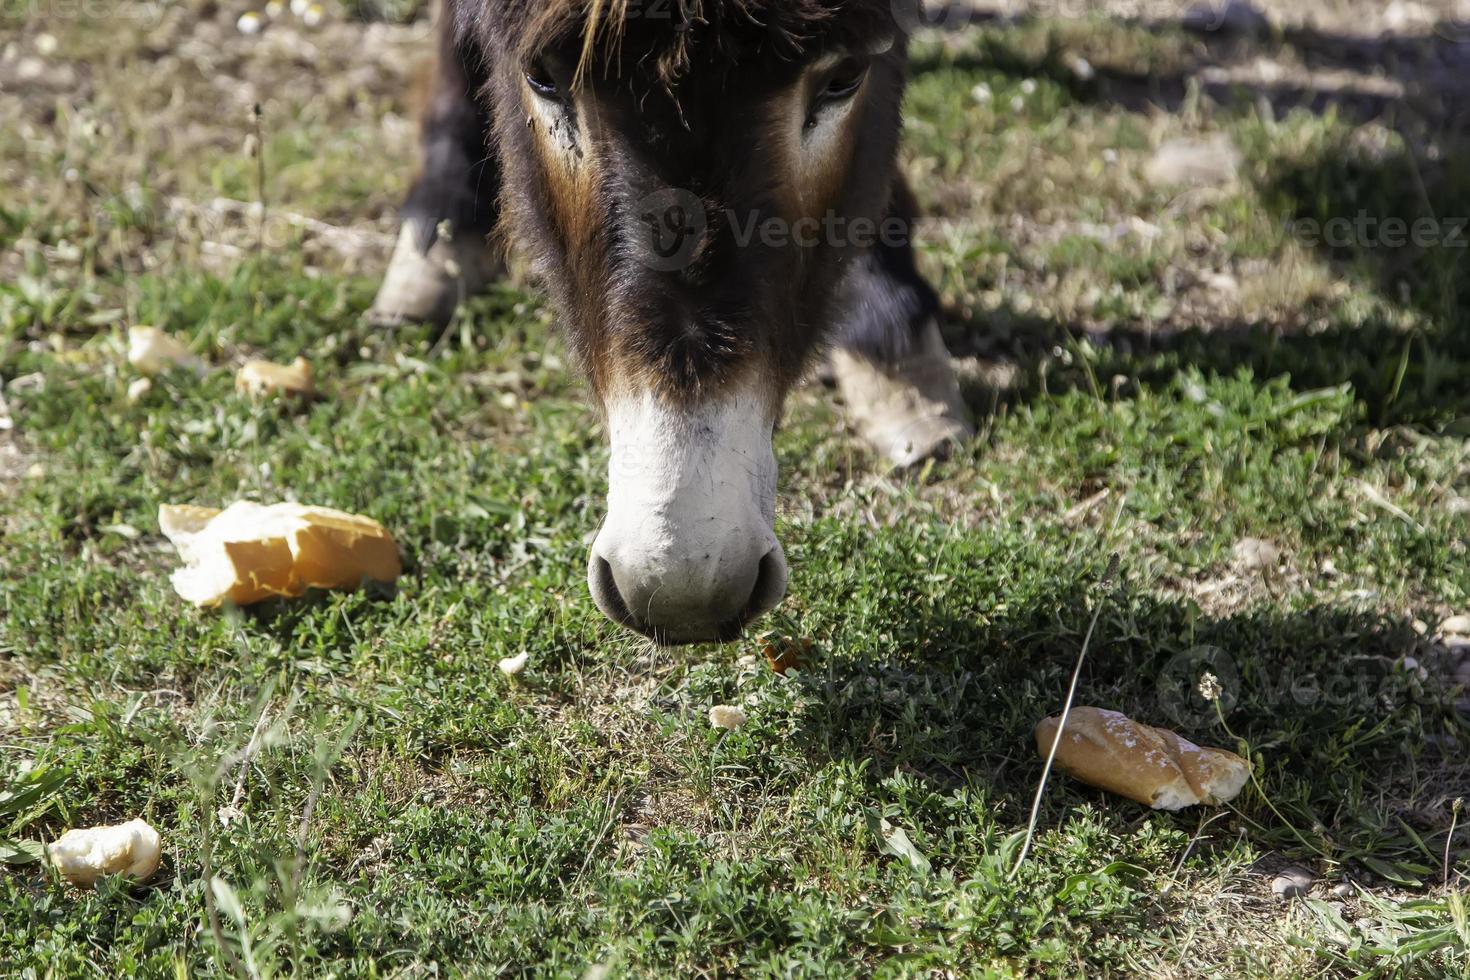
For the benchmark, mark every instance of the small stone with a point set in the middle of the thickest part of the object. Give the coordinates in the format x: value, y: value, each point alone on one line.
x: 1455, y: 626
x: 1222, y: 283
x: 1343, y: 889
x: 1256, y: 555
x: 249, y: 23
x: 726, y: 716
x: 1201, y: 163
x: 511, y: 666
x: 1291, y: 883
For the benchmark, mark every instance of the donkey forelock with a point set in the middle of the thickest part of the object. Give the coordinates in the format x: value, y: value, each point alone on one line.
x: 673, y: 34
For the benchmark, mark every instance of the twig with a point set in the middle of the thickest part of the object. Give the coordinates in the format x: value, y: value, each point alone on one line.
x: 248, y: 753
x: 1062, y: 725
x: 211, y: 911
x: 1454, y: 819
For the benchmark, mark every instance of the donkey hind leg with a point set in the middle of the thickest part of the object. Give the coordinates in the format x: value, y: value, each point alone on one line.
x: 444, y: 253
x: 889, y: 360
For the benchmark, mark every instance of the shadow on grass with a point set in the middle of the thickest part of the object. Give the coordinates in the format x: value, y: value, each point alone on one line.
x: 1395, y: 221
x: 1360, y: 759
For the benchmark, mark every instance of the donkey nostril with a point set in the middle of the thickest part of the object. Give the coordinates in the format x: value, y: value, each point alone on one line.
x: 770, y: 585
x: 605, y: 592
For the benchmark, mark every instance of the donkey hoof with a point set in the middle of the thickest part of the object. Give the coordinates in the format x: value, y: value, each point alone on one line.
x: 427, y: 287
x: 909, y: 411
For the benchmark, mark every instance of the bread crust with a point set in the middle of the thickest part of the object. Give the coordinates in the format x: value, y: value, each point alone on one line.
x: 1154, y: 766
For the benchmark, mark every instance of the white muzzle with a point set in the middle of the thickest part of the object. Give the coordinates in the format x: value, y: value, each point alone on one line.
x: 688, y: 552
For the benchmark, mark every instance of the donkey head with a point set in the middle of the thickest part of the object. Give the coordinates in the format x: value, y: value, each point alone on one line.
x: 692, y: 179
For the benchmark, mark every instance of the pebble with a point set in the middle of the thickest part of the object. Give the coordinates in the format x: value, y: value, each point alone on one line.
x: 1198, y: 162
x: 1455, y: 626
x: 1343, y: 889
x: 1291, y: 883
x: 1256, y: 554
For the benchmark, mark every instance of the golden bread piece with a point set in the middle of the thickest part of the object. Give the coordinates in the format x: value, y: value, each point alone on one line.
x: 264, y: 377
x: 1154, y: 766
x: 251, y: 552
x: 84, y: 856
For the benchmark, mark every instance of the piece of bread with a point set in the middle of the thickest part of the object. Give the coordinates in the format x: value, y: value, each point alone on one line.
x: 249, y: 552
x: 84, y: 856
x: 152, y: 351
x: 263, y: 377
x: 1154, y: 766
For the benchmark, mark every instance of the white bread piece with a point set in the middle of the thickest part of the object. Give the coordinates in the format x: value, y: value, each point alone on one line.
x: 1153, y: 766
x: 727, y: 716
x: 263, y: 377
x: 152, y: 351
x: 84, y: 856
x: 250, y: 552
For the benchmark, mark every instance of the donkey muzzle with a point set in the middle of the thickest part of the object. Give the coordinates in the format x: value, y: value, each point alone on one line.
x: 688, y: 552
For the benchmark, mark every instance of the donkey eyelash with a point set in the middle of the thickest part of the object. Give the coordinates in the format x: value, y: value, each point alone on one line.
x: 842, y: 82
x: 543, y: 85
x: 846, y: 79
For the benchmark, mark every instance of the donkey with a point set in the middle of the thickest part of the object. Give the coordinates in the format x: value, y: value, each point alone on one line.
x: 709, y: 189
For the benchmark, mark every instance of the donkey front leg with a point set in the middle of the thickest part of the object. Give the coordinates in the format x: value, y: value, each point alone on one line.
x: 444, y: 253
x: 888, y: 357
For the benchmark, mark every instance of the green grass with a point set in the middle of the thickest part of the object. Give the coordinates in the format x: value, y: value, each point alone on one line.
x: 405, y: 809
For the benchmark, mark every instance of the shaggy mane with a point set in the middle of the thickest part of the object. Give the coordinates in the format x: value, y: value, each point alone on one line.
x: 676, y: 32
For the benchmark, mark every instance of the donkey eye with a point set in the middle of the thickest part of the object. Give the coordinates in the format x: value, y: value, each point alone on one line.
x: 541, y: 82
x: 845, y: 80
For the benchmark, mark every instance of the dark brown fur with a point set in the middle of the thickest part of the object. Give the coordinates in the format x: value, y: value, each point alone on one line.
x: 682, y: 102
